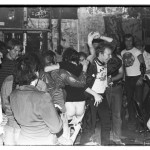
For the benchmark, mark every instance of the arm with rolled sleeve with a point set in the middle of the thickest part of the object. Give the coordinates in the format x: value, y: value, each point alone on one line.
x: 49, y: 114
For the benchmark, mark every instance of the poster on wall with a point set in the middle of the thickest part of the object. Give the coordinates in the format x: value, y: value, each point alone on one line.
x: 38, y: 17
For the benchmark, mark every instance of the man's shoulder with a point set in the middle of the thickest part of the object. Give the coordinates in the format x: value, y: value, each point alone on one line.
x: 135, y: 49
x: 123, y: 51
x: 9, y: 79
x: 95, y: 62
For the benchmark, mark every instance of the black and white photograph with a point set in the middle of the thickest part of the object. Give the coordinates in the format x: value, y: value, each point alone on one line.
x: 74, y: 75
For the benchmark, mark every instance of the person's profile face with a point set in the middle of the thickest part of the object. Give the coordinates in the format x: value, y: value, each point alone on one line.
x: 48, y: 61
x: 15, y: 52
x: 107, y: 55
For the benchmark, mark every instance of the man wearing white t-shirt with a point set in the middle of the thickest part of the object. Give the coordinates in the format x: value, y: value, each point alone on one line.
x: 133, y: 61
x: 97, y: 81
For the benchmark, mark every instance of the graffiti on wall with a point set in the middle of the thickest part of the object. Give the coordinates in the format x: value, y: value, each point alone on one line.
x: 111, y: 26
x: 69, y: 32
x: 75, y: 32
x: 88, y: 23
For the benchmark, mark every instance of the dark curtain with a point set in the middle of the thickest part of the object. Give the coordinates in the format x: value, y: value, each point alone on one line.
x: 113, y: 28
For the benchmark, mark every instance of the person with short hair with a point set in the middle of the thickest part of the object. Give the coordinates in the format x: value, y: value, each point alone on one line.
x: 114, y: 94
x: 97, y: 81
x: 134, y: 65
x: 14, y: 49
x: 11, y: 52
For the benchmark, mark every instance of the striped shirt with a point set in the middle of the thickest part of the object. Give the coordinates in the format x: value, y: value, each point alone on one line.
x: 7, y: 68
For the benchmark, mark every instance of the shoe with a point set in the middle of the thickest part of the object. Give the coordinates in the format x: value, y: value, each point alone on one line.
x: 118, y: 142
x: 123, y: 137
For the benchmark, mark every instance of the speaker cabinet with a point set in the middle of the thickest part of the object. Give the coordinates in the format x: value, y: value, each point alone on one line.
x: 11, y: 17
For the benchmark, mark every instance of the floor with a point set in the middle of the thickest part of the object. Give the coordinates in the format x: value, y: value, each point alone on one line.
x: 130, y: 137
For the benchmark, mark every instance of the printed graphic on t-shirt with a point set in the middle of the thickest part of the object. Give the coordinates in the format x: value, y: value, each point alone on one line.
x: 128, y: 59
x: 100, y: 82
x: 101, y: 74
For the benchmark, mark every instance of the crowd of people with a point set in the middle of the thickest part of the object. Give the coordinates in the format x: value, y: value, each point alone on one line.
x: 44, y: 102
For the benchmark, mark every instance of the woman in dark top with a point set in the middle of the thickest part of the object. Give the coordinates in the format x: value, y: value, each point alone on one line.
x: 75, y: 99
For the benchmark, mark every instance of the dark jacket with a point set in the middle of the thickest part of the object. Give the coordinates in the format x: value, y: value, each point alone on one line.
x: 113, y: 66
x: 74, y: 94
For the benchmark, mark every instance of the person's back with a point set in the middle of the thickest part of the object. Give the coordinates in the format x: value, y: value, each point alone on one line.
x: 29, y: 107
x: 33, y: 109
x: 55, y: 86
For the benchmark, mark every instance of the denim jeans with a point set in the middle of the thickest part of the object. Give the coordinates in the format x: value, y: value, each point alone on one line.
x: 133, y: 92
x: 103, y: 113
x: 114, y: 98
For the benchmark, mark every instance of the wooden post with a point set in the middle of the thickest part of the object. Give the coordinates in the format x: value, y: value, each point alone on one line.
x: 59, y: 27
x: 25, y: 26
x: 49, y: 33
x: 24, y: 42
x: 78, y: 37
x: 13, y: 35
x: 41, y: 42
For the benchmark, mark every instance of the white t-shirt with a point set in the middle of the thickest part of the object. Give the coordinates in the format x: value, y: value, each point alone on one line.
x: 131, y: 62
x: 100, y: 82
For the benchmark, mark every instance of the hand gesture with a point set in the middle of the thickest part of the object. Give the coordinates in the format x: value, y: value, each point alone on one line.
x: 98, y: 99
x: 85, y: 62
x: 85, y: 65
